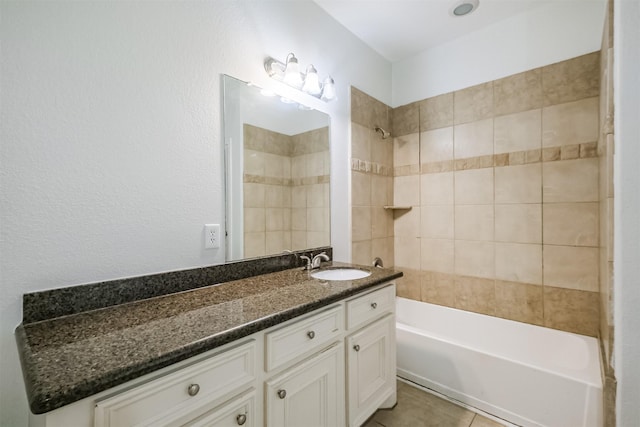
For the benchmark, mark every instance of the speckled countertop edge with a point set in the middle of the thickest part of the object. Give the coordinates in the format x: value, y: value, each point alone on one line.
x: 73, y: 357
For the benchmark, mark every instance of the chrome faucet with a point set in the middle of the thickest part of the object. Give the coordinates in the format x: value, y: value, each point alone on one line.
x: 315, y: 263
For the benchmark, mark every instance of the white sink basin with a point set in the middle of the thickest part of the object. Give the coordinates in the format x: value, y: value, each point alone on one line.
x: 340, y: 274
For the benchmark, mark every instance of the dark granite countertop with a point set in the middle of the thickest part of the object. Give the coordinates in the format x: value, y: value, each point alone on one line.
x: 68, y: 358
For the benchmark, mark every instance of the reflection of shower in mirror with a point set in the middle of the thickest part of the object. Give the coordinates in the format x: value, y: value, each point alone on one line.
x: 382, y: 132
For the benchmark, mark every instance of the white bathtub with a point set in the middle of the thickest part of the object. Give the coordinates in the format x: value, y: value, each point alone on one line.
x: 525, y: 374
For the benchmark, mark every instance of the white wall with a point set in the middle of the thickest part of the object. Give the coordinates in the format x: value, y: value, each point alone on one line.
x: 542, y: 36
x: 626, y: 292
x: 111, y: 136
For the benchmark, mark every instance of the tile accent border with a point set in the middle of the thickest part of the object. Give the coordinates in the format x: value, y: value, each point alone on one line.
x: 270, y: 180
x: 544, y: 155
x: 372, y: 168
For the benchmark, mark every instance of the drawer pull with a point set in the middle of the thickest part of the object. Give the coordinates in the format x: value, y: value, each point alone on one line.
x: 374, y: 305
x: 356, y: 347
x: 282, y: 394
x: 311, y: 335
x: 193, y: 389
x: 241, y: 419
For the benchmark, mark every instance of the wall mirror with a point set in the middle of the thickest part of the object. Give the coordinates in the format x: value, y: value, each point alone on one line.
x: 277, y: 173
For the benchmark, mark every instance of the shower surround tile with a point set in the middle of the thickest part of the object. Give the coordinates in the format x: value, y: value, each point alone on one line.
x: 436, y: 112
x: 519, y: 92
x: 408, y: 286
x: 407, y: 222
x: 518, y: 184
x: 474, y: 103
x: 406, y: 119
x: 571, y: 267
x: 438, y: 288
x: 570, y: 181
x: 474, y: 222
x: 436, y: 189
x: 521, y: 302
x: 518, y: 132
x: 573, y: 224
x: 518, y: 223
x: 571, y: 310
x: 519, y: 262
x: 361, y: 189
x: 406, y: 150
x: 474, y: 187
x: 474, y: 258
x: 437, y: 255
x: 436, y: 145
x: 437, y: 222
x: 511, y: 168
x: 475, y: 294
x: 573, y: 79
x: 360, y: 141
x: 571, y: 123
x: 368, y: 111
x: 474, y: 139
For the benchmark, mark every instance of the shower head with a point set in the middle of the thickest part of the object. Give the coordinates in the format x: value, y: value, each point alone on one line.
x: 382, y: 132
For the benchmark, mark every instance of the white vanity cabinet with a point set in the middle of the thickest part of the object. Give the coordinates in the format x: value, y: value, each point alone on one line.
x: 371, y: 354
x: 329, y: 368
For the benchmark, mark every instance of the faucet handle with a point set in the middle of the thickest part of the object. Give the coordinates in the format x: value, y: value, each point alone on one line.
x: 307, y: 260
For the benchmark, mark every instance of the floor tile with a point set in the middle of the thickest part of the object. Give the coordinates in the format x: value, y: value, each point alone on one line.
x: 480, y: 421
x: 418, y: 408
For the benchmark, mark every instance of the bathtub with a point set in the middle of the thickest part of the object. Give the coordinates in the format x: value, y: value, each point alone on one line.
x: 527, y: 375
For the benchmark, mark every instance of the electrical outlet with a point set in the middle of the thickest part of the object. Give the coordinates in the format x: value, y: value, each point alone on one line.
x: 211, y: 236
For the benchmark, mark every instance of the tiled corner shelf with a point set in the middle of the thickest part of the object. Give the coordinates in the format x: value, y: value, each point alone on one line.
x: 398, y: 208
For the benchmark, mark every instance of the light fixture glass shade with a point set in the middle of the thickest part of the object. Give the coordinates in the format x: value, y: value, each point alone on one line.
x: 312, y: 82
x: 292, y: 75
x: 328, y: 90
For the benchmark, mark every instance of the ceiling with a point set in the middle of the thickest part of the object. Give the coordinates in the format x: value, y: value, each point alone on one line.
x: 398, y: 29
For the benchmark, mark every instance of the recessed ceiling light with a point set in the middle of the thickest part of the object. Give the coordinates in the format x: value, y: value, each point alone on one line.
x: 464, y: 7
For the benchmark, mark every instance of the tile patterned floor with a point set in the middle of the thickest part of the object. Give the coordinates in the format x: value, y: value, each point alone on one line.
x: 417, y: 408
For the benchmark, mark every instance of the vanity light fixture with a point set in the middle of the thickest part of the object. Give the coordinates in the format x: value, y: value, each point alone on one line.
x: 309, y: 82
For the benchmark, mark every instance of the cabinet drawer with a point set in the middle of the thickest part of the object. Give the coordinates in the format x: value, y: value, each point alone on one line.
x: 369, y: 306
x: 302, y: 337
x: 161, y: 401
x: 241, y: 411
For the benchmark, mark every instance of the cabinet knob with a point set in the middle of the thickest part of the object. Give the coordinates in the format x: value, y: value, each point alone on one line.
x: 356, y: 347
x: 241, y: 419
x: 282, y: 394
x: 193, y: 389
x: 311, y: 335
x: 374, y: 305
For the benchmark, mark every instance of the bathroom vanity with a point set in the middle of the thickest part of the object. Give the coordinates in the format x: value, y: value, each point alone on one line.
x: 275, y: 349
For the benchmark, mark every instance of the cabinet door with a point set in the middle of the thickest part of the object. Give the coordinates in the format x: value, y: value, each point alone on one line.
x: 310, y: 394
x: 371, y: 368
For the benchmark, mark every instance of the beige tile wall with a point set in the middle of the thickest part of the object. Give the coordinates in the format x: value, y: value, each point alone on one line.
x: 372, y: 179
x: 604, y: 210
x: 286, y: 191
x: 503, y: 181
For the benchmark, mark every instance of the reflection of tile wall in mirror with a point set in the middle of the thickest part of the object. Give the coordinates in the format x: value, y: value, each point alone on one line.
x: 294, y: 200
x: 277, y: 173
